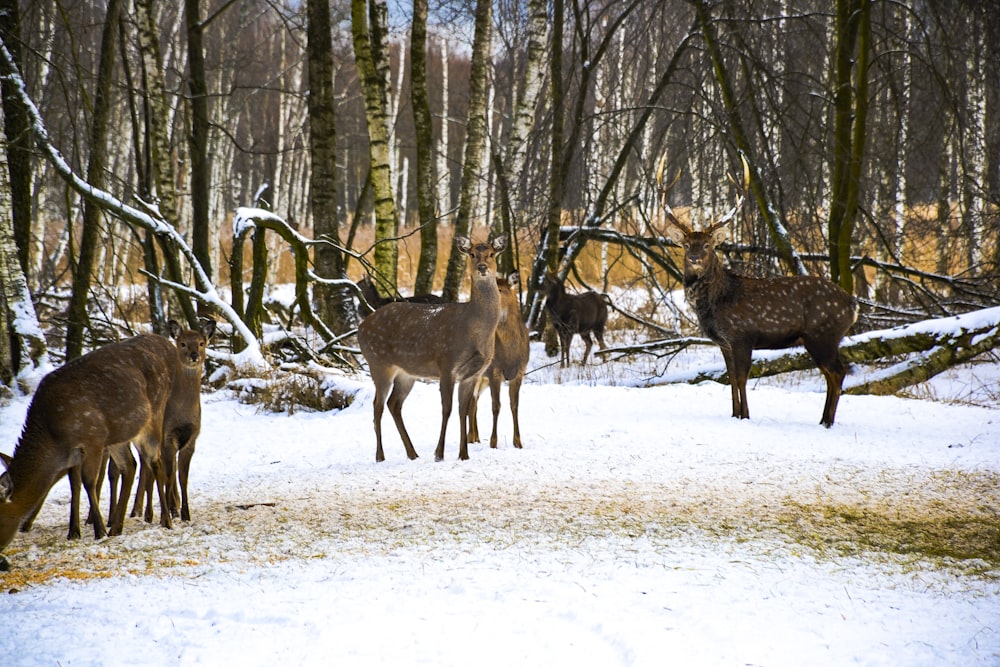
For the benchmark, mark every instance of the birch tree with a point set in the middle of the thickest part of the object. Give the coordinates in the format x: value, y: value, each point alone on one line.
x: 334, y: 303
x: 77, y: 318
x: 162, y: 160
x: 423, y: 125
x: 850, y: 95
x: 24, y: 356
x: 475, y: 143
x: 370, y: 28
x: 19, y: 146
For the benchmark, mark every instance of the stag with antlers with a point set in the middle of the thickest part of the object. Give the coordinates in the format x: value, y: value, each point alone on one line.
x: 741, y: 314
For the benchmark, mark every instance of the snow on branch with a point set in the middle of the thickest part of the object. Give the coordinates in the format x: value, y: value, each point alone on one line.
x: 149, y: 219
x: 937, y: 344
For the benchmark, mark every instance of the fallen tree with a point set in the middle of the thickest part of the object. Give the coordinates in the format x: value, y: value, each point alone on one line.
x: 927, y: 348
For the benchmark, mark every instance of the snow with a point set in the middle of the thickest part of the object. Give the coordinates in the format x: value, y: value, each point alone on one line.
x: 638, y: 526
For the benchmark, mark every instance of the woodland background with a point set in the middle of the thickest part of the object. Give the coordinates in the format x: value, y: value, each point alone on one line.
x: 362, y: 135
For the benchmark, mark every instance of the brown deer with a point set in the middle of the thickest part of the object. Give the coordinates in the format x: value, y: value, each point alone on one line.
x: 450, y: 342
x: 367, y: 287
x: 510, y: 360
x: 582, y: 314
x: 181, y: 425
x: 741, y: 314
x: 111, y: 395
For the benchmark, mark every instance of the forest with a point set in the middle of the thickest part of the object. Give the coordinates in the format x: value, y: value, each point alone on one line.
x: 146, y: 142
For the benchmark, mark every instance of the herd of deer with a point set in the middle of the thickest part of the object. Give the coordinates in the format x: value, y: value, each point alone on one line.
x: 146, y: 390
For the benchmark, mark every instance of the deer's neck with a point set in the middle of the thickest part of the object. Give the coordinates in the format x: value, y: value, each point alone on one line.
x: 706, y: 290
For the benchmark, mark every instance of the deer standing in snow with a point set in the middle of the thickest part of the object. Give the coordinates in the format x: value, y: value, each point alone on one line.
x: 91, y: 405
x: 510, y: 359
x: 450, y: 342
x: 742, y: 314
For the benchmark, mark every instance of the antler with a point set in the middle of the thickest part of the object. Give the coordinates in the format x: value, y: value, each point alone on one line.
x: 731, y: 213
x: 663, y: 195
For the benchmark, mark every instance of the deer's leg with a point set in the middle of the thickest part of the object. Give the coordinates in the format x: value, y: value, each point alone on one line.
x: 168, y: 462
x: 114, y: 477
x: 74, y: 506
x: 832, y: 367
x: 589, y: 343
x: 383, y: 382
x: 474, y: 411
x: 89, y: 471
x: 124, y: 462
x: 183, y: 470
x: 466, y: 396
x: 140, y: 490
x: 514, y: 389
x: 160, y: 476
x: 565, y: 339
x: 495, y: 381
x: 738, y: 367
x: 447, y: 386
x: 400, y: 390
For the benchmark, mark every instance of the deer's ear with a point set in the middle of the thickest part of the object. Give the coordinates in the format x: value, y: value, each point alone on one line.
x: 173, y: 328
x: 463, y: 242
x: 5, y: 459
x: 6, y: 487
x: 499, y: 243
x: 675, y: 234
x: 514, y: 279
x: 719, y: 235
x: 208, y: 329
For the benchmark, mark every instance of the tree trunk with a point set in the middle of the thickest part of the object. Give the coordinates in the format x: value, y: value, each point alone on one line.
x: 765, y: 206
x: 23, y: 352
x: 371, y: 55
x: 935, y: 346
x: 19, y: 144
x: 514, y: 200
x: 162, y: 159
x: 850, y: 115
x: 77, y: 317
x: 334, y: 305
x: 475, y: 143
x: 201, y: 168
x: 426, y: 200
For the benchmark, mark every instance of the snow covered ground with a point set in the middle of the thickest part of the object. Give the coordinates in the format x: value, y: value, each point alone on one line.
x: 638, y: 526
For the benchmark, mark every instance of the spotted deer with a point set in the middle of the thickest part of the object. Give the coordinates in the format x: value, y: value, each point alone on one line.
x: 741, y: 314
x: 510, y: 359
x: 91, y: 406
x: 451, y: 342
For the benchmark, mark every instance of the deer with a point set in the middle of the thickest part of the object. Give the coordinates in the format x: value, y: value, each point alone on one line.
x: 450, y: 342
x: 741, y: 314
x: 367, y: 288
x: 181, y: 426
x: 510, y: 359
x: 571, y: 314
x: 112, y: 395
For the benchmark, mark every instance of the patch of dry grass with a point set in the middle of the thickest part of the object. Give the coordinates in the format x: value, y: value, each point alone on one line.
x: 947, y: 519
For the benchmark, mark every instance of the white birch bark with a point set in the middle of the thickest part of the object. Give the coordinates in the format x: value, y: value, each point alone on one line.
x: 20, y: 314
x: 443, y: 166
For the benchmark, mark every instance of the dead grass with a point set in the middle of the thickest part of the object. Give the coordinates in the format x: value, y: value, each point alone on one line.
x: 942, y: 520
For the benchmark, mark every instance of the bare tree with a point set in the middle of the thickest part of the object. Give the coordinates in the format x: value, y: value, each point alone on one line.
x: 77, y: 318
x: 423, y: 126
x: 369, y: 23
x: 475, y: 143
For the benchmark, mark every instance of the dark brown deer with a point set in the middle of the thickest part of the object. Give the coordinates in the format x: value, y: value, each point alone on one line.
x: 582, y: 314
x: 181, y: 425
x: 376, y: 300
x: 112, y: 395
x: 510, y: 359
x: 742, y: 314
x: 450, y: 342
